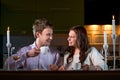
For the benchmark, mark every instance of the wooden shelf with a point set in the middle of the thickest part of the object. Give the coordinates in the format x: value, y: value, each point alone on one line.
x: 111, y: 58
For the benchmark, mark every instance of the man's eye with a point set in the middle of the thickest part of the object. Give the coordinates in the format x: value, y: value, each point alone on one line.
x: 49, y: 34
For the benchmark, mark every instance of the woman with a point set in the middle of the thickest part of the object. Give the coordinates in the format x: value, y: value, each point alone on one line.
x: 79, y: 51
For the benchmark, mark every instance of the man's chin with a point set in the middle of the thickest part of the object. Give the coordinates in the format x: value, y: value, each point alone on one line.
x: 48, y: 44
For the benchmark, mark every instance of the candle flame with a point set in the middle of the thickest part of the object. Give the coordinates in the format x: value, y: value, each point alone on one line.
x: 8, y: 29
x: 113, y: 17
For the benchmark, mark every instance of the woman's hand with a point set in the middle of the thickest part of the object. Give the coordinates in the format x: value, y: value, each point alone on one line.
x: 91, y: 67
x: 54, y: 67
x: 62, y: 68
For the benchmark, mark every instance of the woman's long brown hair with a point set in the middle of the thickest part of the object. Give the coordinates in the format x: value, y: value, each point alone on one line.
x: 82, y: 43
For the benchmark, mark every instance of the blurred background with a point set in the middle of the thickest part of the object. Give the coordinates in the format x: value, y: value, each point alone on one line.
x: 94, y: 15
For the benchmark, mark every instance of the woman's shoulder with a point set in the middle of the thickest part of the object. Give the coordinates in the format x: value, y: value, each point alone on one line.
x: 92, y: 50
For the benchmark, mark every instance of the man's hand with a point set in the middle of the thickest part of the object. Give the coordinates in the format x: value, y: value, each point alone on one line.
x: 33, y: 52
x: 53, y: 67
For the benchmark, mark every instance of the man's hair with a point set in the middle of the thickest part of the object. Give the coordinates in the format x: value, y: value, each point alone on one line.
x: 40, y: 24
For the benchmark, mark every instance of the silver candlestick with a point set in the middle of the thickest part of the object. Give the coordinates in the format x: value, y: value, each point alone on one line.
x: 114, y: 56
x: 11, y: 51
x: 105, y: 47
x: 8, y: 45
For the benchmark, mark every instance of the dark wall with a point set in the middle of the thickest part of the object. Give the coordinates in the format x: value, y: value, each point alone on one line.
x: 101, y: 11
x: 1, y: 51
x: 20, y: 14
x: 17, y: 42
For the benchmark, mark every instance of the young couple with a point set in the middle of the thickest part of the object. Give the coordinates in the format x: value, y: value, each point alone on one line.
x: 40, y: 56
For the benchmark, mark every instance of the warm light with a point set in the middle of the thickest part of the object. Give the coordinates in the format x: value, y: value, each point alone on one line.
x: 118, y: 30
x: 113, y: 17
x: 107, y: 27
x: 94, y: 27
x: 8, y: 29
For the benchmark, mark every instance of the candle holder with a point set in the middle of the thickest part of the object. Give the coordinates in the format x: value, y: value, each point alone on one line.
x: 11, y: 51
x: 8, y: 45
x: 114, y: 56
x: 105, y: 47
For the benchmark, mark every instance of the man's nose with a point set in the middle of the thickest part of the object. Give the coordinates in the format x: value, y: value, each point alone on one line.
x: 51, y: 37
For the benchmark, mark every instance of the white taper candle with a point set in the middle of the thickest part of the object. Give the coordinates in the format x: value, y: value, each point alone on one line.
x: 8, y: 35
x: 113, y: 25
x: 105, y: 37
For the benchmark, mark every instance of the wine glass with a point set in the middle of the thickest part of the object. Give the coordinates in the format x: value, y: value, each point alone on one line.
x: 78, y: 66
x: 16, y: 57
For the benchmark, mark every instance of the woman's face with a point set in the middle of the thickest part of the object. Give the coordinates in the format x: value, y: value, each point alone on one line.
x: 72, y: 38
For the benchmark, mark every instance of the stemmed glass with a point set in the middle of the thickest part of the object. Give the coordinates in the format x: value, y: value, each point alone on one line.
x: 16, y: 57
x: 78, y: 66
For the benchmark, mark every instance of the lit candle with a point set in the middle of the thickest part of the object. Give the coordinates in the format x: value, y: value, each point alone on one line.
x: 113, y: 25
x: 105, y: 37
x: 8, y: 35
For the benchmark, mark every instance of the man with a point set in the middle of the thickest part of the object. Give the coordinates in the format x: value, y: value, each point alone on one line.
x: 37, y: 55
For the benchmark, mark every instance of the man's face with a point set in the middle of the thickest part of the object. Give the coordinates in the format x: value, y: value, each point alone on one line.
x: 72, y: 38
x: 46, y: 36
